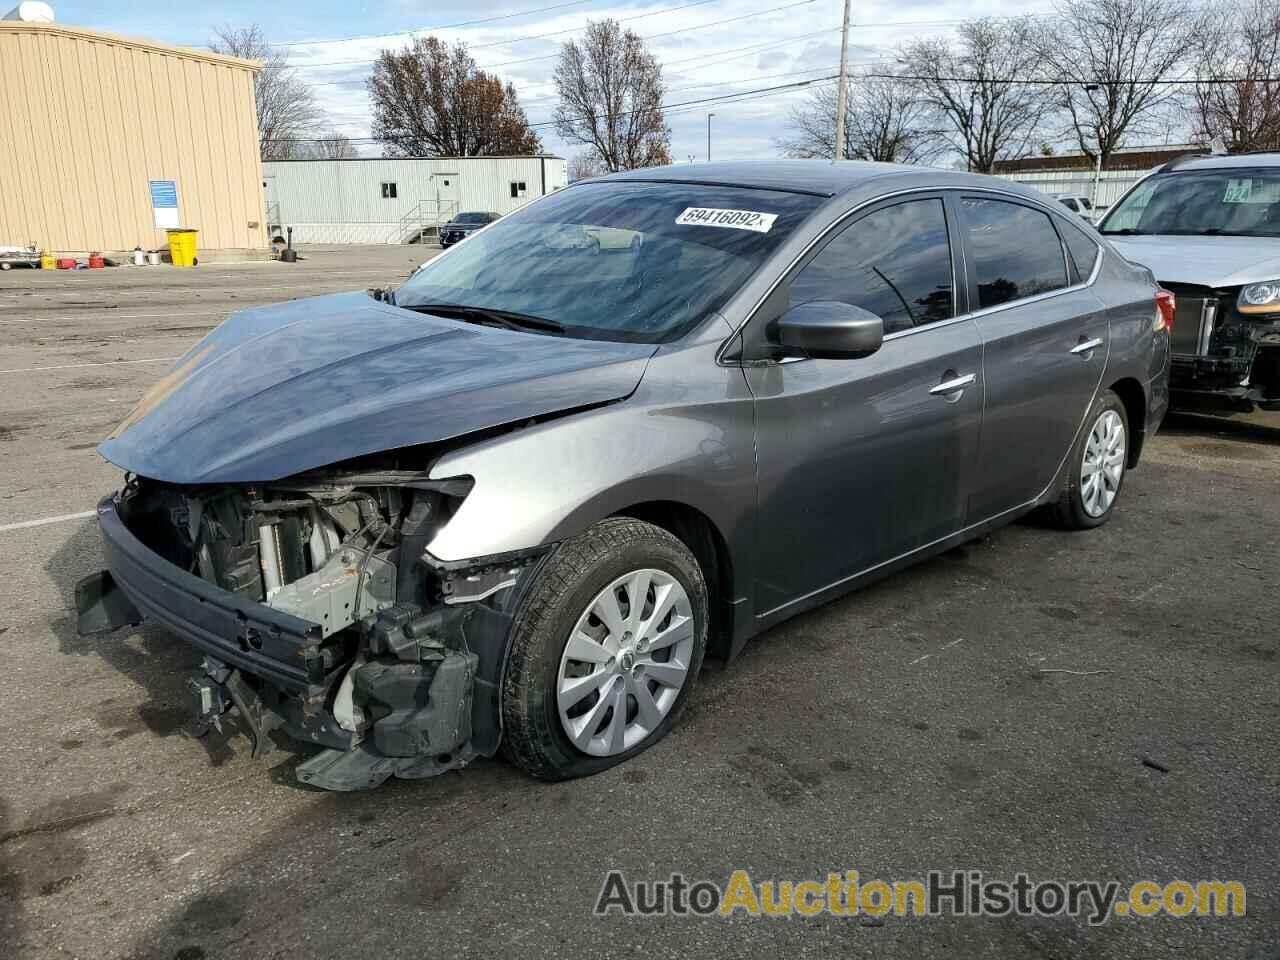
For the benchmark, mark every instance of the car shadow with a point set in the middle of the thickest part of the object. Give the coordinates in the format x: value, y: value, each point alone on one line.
x: 156, y: 662
x: 10, y: 891
x: 1259, y: 427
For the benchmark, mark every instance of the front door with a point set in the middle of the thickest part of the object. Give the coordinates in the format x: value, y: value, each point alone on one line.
x: 272, y: 220
x: 444, y: 194
x: 862, y: 461
x: 1045, y: 339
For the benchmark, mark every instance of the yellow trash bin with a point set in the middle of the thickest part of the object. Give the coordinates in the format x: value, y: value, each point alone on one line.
x: 182, y: 247
x: 48, y: 261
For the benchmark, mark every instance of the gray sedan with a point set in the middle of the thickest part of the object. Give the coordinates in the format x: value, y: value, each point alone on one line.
x: 518, y: 501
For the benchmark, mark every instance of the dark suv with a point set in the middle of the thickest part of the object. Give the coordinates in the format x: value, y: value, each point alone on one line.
x: 463, y: 225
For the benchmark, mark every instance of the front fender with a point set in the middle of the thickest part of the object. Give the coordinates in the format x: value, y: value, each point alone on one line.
x: 686, y: 435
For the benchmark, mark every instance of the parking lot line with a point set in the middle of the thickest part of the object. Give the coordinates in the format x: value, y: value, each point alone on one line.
x: 96, y: 363
x: 24, y: 524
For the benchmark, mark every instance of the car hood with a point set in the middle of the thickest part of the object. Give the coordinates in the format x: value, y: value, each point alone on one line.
x: 464, y: 226
x: 277, y: 390
x: 1205, y: 261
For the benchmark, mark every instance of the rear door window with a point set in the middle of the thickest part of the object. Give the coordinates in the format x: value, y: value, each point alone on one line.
x: 1014, y: 249
x: 895, y: 262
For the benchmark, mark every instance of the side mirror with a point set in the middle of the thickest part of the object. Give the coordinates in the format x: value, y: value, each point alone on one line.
x: 830, y: 330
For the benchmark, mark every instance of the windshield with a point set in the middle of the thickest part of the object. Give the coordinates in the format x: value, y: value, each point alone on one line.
x: 471, y: 218
x: 1204, y: 202
x: 642, y: 262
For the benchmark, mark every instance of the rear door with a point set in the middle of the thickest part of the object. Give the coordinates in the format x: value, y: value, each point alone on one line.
x: 1045, y: 338
x: 861, y: 461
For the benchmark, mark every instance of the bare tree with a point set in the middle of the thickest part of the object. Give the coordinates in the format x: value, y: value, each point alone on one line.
x: 611, y: 89
x: 287, y: 110
x: 977, y: 85
x: 331, y: 145
x: 1108, y: 60
x: 584, y: 166
x: 1240, y: 43
x: 430, y: 99
x: 885, y: 120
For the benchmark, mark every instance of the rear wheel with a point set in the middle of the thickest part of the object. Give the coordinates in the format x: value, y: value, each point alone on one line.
x: 1097, y: 467
x: 605, y: 651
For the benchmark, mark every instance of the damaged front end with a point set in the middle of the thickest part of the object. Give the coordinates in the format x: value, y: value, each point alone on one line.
x: 320, y: 613
x: 1224, y: 359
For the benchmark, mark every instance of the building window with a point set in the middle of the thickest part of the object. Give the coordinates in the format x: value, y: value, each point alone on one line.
x: 517, y: 189
x: 388, y: 191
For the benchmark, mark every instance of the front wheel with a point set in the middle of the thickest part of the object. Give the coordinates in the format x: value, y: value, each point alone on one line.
x: 605, y: 651
x: 1097, y: 466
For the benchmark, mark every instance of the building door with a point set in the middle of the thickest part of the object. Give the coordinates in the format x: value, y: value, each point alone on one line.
x: 444, y: 194
x: 273, y: 206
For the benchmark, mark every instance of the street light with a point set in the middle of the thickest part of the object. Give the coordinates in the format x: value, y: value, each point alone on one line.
x: 709, y: 116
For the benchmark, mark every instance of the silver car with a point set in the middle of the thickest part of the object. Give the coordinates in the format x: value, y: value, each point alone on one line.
x: 1209, y: 229
x: 519, y: 500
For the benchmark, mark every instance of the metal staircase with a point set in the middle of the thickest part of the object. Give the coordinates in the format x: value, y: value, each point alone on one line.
x: 423, y: 222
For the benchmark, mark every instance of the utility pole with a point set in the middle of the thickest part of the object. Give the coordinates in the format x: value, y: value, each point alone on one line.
x: 709, y: 116
x: 842, y: 96
x: 1097, y: 170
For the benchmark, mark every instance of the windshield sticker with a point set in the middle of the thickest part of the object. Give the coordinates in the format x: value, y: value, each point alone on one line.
x: 731, y: 219
x: 1238, y: 191
x: 1252, y: 190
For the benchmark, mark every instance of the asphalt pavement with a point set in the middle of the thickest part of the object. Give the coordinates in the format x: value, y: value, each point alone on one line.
x: 1072, y: 706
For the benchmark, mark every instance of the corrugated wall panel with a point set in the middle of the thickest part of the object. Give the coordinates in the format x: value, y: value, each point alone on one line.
x: 87, y: 120
x: 340, y: 201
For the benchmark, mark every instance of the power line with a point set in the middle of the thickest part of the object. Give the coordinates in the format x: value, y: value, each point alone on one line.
x: 778, y: 88
x: 1051, y: 82
x: 759, y: 93
x: 703, y: 86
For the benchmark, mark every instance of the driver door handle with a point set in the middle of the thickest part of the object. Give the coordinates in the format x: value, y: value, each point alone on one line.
x: 953, y: 385
x: 1086, y: 346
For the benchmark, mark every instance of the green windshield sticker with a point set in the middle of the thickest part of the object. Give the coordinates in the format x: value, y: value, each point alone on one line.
x: 1238, y: 191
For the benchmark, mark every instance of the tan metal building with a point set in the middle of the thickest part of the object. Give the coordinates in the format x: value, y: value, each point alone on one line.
x: 105, y: 141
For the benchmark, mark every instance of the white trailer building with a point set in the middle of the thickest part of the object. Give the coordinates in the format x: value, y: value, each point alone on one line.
x: 397, y: 201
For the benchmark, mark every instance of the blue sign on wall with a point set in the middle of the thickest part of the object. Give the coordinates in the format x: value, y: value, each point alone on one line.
x: 164, y: 202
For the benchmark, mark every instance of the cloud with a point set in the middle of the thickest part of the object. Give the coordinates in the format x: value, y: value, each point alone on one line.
x: 701, y: 58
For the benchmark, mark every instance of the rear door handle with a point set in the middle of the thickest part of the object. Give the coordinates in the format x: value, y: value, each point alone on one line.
x: 1086, y: 346
x: 954, y: 385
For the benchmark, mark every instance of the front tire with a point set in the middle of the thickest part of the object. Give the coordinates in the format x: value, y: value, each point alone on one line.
x: 1097, y: 466
x: 605, y: 650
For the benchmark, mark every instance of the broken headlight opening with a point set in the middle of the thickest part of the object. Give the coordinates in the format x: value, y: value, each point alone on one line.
x: 320, y: 613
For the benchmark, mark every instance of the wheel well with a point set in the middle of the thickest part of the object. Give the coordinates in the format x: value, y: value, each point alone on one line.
x: 695, y: 529
x: 1134, y: 399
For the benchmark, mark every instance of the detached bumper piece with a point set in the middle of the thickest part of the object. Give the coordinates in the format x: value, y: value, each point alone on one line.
x: 401, y: 706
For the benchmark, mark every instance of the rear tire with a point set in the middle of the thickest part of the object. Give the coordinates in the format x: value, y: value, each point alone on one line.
x: 560, y: 606
x: 1096, y: 468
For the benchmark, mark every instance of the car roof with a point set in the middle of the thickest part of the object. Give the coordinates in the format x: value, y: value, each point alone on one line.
x: 819, y: 178
x: 1222, y: 162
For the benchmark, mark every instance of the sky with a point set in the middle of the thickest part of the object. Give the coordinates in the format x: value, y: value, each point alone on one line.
x: 765, y: 43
